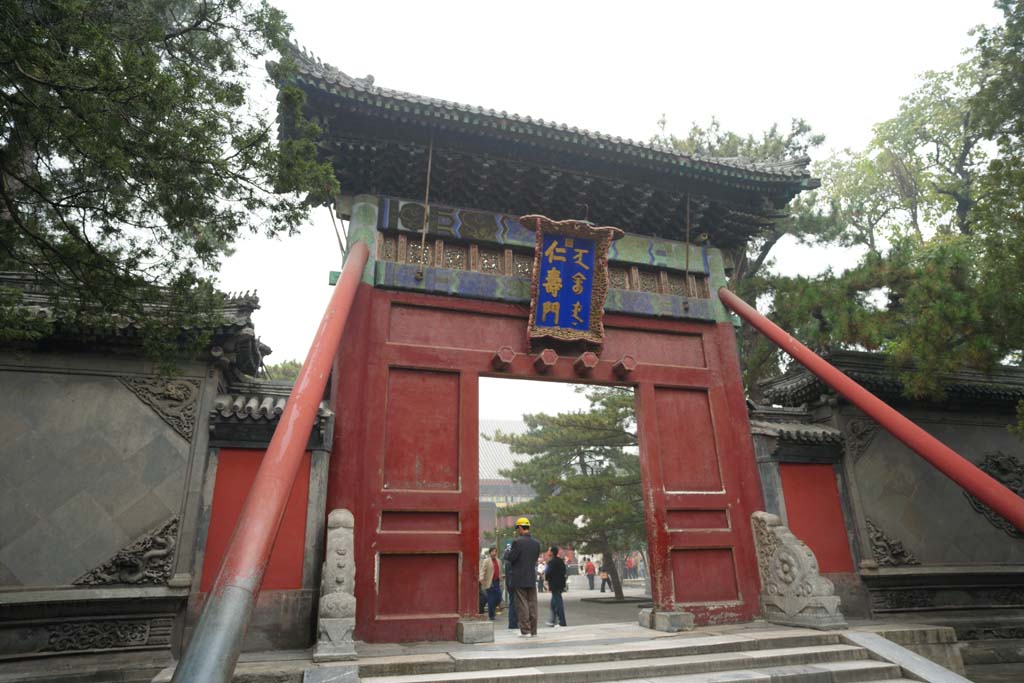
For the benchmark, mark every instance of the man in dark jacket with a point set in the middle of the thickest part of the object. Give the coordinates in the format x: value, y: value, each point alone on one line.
x: 556, y: 575
x: 522, y: 577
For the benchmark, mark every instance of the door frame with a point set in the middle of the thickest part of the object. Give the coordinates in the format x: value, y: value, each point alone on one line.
x: 403, y: 331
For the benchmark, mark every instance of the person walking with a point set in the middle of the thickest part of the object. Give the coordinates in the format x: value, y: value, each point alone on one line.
x: 490, y: 580
x: 590, y: 570
x: 556, y: 574
x: 605, y: 579
x: 522, y: 577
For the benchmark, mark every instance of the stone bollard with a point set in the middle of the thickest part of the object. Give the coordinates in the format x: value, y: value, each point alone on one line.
x: 337, y: 615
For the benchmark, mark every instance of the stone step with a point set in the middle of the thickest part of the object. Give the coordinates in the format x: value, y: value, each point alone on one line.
x: 538, y: 652
x: 857, y: 671
x: 571, y: 671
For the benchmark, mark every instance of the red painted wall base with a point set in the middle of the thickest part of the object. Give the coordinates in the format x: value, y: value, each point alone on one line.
x: 236, y: 470
x: 815, y: 515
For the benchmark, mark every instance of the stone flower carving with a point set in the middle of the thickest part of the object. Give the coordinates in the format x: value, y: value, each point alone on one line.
x: 793, y: 591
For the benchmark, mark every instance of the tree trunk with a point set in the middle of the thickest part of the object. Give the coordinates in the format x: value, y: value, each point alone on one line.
x: 647, y: 571
x: 608, y: 562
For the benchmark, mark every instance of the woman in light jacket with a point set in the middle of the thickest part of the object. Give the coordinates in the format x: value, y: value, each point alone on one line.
x: 490, y: 580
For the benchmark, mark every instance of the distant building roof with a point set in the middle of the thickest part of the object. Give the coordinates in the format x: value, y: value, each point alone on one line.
x: 495, y: 456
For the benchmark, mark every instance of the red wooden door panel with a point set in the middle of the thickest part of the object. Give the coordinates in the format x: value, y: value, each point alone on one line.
x: 700, y: 488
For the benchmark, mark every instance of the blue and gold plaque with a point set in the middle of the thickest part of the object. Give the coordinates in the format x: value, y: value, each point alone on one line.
x: 570, y: 279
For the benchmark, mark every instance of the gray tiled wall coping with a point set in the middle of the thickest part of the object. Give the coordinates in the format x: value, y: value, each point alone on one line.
x: 27, y: 597
x: 943, y: 570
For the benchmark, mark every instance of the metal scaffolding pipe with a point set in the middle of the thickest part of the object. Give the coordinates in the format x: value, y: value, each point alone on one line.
x: 217, y: 640
x: 965, y: 473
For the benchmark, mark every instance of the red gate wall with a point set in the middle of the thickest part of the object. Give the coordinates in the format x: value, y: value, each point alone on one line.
x: 814, y: 513
x: 405, y: 456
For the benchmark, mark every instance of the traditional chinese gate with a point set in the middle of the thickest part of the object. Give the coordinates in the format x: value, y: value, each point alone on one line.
x: 405, y: 452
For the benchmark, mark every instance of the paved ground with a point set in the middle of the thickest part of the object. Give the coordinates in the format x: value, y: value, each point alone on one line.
x: 583, y: 607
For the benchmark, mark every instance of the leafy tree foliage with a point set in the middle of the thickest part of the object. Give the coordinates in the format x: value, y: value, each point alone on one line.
x: 936, y: 203
x: 285, y: 371
x: 586, y: 474
x: 131, y: 157
x: 935, y: 207
x: 752, y: 263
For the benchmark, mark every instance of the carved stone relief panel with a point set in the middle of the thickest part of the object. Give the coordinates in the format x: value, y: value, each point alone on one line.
x: 149, y: 560
x: 898, y: 600
x: 88, y: 469
x: 859, y: 435
x: 174, y: 400
x: 888, y: 551
x: 1009, y: 471
x: 86, y: 635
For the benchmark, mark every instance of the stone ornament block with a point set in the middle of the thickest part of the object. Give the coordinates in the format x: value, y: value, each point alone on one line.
x: 336, y: 619
x: 475, y: 631
x: 337, y: 673
x: 334, y: 640
x: 793, y: 591
x: 672, y: 622
x: 666, y: 622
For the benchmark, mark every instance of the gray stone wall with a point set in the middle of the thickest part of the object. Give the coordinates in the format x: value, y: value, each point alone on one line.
x: 909, y: 502
x: 92, y: 463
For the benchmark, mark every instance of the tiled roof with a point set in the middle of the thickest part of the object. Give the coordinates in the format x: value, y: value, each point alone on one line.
x: 334, y: 81
x: 236, y: 311
x: 257, y: 401
x: 797, y: 386
x: 792, y: 425
x: 495, y: 456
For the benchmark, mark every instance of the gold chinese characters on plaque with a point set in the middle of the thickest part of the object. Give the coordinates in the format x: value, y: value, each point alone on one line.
x: 570, y: 279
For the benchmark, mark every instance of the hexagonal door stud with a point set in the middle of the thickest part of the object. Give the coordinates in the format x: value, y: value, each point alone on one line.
x: 545, y: 360
x: 624, y: 366
x: 586, y: 362
x: 503, y: 358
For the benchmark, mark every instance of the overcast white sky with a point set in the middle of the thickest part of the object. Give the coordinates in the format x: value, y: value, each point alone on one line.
x: 616, y: 68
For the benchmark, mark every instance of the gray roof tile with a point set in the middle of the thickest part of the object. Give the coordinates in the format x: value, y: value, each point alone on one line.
x: 496, y: 456
x: 331, y: 79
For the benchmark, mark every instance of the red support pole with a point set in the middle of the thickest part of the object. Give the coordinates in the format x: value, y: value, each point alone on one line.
x: 942, y: 457
x: 217, y: 641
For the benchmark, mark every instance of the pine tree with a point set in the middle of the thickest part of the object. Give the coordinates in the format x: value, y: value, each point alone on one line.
x: 585, y: 471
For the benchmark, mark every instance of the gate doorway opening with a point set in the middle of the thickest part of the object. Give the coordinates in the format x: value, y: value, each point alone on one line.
x: 566, y: 456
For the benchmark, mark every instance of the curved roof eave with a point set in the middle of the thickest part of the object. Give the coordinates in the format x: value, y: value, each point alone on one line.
x: 790, y: 175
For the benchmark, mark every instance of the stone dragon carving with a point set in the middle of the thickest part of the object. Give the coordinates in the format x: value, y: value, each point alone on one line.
x: 176, y: 401
x: 888, y: 551
x: 1009, y: 471
x: 148, y: 560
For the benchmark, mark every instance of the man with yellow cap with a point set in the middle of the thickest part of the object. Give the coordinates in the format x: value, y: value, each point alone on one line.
x: 522, y: 577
